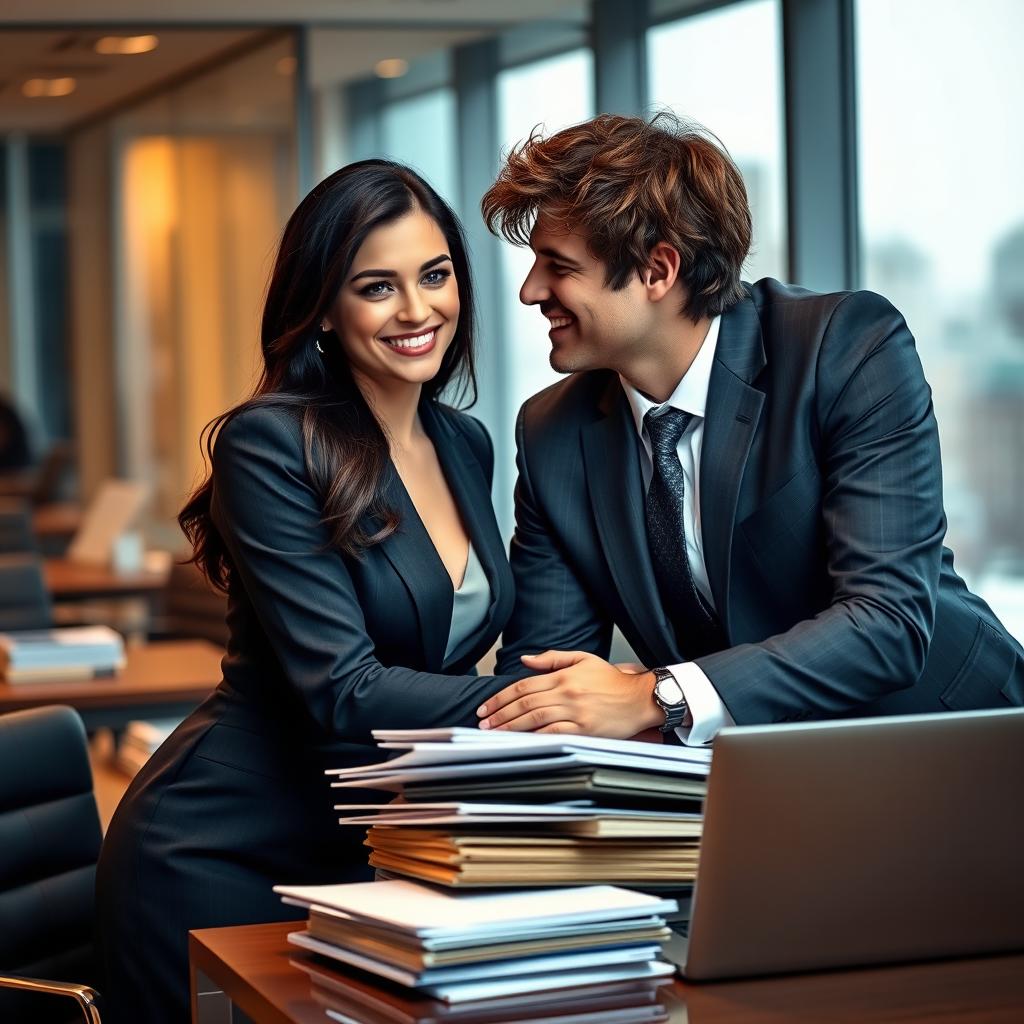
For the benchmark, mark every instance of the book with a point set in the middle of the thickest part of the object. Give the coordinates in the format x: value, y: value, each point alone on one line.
x: 58, y: 674
x: 583, y: 818
x: 463, y: 947
x: 501, y: 978
x: 518, y: 873
x: 523, y: 753
x: 396, y: 949
x: 599, y: 784
x: 141, y: 740
x: 430, y: 912
x: 348, y: 996
x: 72, y: 653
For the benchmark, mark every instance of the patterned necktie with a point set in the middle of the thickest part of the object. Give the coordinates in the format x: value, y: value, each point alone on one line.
x: 697, y: 628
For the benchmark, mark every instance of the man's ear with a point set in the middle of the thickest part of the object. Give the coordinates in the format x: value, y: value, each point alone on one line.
x: 662, y: 271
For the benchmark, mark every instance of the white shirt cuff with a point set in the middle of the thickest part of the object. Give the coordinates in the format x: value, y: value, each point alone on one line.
x: 707, y: 714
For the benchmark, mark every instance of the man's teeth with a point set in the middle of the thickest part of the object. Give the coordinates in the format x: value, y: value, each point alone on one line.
x: 560, y: 321
x: 417, y: 342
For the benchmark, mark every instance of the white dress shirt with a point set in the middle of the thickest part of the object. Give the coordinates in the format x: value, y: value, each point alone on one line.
x: 707, y: 713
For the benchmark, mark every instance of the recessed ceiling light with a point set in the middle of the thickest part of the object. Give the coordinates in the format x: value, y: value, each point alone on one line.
x: 36, y: 88
x: 393, y: 67
x: 126, y: 44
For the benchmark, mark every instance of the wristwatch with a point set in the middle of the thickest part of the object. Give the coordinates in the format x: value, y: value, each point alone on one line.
x: 668, y: 695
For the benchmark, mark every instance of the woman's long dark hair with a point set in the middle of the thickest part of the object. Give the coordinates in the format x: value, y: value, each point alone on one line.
x: 346, y: 450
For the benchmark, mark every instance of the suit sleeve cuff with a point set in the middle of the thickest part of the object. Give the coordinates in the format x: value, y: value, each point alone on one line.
x: 707, y: 713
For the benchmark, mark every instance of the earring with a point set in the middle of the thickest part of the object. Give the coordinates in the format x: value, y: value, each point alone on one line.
x: 319, y: 347
x: 324, y: 329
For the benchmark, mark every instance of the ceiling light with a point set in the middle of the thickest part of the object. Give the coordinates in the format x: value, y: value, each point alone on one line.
x: 393, y: 67
x: 126, y: 44
x: 36, y: 88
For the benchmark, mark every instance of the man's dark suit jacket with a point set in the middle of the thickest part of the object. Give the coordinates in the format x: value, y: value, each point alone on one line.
x: 822, y: 518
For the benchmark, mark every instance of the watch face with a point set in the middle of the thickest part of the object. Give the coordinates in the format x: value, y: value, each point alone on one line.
x: 668, y: 690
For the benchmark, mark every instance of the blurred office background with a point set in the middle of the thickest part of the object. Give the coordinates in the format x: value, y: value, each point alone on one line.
x: 150, y: 153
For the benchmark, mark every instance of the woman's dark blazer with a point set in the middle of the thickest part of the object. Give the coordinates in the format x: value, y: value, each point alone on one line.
x: 323, y: 648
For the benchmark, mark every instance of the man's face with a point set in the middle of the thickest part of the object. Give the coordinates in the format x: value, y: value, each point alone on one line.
x: 592, y: 326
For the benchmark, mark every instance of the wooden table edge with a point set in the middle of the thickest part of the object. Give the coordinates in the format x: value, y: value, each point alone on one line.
x: 234, y: 986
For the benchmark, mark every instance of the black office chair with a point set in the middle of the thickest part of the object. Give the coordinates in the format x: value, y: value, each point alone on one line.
x: 49, y: 843
x: 24, y: 599
x: 16, y: 533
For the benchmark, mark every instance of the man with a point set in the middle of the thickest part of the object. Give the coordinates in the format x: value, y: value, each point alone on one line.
x: 744, y: 478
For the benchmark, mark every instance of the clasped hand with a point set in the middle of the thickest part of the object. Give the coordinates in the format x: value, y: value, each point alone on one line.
x: 578, y: 693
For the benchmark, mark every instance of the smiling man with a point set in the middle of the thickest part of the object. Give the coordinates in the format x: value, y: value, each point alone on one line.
x: 744, y: 478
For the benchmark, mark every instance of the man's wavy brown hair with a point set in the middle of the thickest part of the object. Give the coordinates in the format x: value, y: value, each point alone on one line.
x: 627, y: 183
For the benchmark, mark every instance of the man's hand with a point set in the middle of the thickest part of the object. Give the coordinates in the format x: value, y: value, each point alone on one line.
x: 579, y: 694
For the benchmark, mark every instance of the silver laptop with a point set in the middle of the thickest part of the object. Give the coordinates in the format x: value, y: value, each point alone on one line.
x: 857, y: 842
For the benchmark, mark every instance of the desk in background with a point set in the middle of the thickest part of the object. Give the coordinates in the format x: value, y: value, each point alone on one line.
x: 251, y: 965
x: 159, y: 680
x: 71, y: 581
x: 54, y: 525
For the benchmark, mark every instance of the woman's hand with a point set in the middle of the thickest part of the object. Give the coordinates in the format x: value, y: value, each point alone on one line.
x: 580, y: 694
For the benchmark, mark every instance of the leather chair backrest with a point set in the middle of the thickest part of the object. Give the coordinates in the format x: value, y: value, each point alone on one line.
x: 24, y: 599
x: 49, y: 844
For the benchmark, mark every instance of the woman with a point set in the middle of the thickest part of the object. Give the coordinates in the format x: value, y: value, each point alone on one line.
x: 348, y: 517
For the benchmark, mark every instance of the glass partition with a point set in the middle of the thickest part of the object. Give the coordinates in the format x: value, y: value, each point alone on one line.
x: 942, y: 236
x: 546, y: 95
x: 723, y: 69
x: 207, y: 180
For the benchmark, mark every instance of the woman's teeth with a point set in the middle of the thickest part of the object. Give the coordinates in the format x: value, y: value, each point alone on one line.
x: 415, y: 342
x: 561, y: 321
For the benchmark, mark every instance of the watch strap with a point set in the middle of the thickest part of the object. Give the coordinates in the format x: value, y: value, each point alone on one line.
x: 675, y: 714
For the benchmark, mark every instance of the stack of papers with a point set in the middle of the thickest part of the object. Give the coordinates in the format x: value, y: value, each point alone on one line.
x: 140, y: 741
x: 464, y: 947
x: 60, y: 655
x: 476, y: 808
x: 348, y: 999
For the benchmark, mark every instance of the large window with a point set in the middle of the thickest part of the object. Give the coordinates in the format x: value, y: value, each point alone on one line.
x: 420, y: 131
x: 723, y: 69
x: 939, y: 84
x: 546, y: 95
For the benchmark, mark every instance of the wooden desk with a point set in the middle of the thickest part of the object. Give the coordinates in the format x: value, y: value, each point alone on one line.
x: 70, y: 581
x: 166, y: 679
x: 57, y: 519
x: 252, y: 965
x: 18, y: 483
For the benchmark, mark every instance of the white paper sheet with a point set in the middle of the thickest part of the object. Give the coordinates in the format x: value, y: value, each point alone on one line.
x: 568, y: 961
x: 406, y: 738
x: 516, y: 932
x: 433, y: 912
x: 549, y: 982
x: 652, y: 1014
x: 515, y: 746
x: 390, y: 774
x: 572, y: 810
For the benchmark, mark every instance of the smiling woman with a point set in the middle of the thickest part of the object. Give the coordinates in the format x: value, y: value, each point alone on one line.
x: 348, y: 518
x: 410, y: 310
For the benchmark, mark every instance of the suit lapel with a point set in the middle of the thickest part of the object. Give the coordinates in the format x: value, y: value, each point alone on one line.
x: 617, y: 497
x: 732, y: 413
x: 413, y: 556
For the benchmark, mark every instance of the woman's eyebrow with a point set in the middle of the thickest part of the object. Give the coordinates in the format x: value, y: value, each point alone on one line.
x: 392, y: 273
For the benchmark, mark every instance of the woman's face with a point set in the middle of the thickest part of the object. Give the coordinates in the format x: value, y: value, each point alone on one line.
x: 397, y: 311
